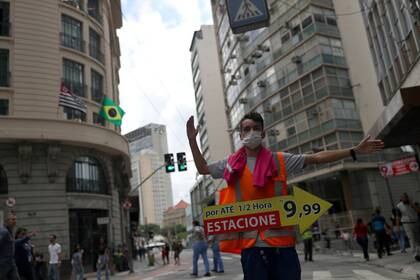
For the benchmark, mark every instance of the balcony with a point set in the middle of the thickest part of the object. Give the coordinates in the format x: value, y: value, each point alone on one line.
x: 75, y: 88
x: 72, y: 42
x: 5, y: 28
x: 96, y: 53
x: 74, y: 3
x: 5, y: 79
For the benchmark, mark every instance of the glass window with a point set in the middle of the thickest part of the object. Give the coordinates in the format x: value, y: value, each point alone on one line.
x: 94, y: 9
x: 4, y: 107
x: 86, y: 175
x: 285, y: 38
x: 4, y: 68
x: 331, y: 21
x: 97, y: 89
x: 4, y: 19
x: 73, y: 114
x: 95, y: 46
x: 307, y: 21
x: 3, y: 181
x: 319, y: 18
x: 71, y: 33
x: 98, y: 119
x: 74, y: 77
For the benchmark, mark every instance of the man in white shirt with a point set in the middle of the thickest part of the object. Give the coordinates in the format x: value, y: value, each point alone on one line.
x: 54, y: 250
x: 409, y: 220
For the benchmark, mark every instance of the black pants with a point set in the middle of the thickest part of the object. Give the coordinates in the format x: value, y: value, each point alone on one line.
x: 308, y: 244
x: 382, y: 242
x: 363, y: 242
x: 8, y: 271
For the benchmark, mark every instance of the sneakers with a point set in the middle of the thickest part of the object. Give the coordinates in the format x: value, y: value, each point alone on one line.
x: 207, y: 274
x: 417, y: 258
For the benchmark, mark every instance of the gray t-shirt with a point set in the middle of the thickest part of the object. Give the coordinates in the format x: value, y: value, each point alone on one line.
x: 293, y: 163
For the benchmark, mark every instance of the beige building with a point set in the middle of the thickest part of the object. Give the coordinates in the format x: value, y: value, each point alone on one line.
x: 210, y: 110
x: 148, y: 144
x: 65, y: 168
x: 176, y: 215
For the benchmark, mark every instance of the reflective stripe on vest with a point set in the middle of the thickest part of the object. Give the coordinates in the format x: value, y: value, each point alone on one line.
x: 281, y: 237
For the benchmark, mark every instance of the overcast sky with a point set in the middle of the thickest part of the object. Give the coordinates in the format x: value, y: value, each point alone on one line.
x: 155, y: 76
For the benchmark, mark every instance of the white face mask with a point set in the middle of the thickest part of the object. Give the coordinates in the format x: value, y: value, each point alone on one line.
x: 252, y: 140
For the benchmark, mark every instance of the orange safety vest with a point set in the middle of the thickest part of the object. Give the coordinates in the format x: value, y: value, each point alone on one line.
x: 243, y: 190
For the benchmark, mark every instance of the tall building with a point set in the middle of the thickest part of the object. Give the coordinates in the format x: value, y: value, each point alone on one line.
x: 296, y: 75
x: 67, y: 169
x: 148, y: 144
x: 382, y: 45
x: 210, y: 110
x: 176, y: 215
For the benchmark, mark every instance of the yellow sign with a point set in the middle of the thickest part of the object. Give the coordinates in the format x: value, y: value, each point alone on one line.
x: 301, y: 208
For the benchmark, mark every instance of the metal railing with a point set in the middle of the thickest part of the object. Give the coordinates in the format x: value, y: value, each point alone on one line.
x: 72, y: 42
x: 95, y: 52
x: 74, y: 3
x: 95, y: 14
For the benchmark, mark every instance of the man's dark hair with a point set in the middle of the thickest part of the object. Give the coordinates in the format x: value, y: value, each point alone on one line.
x: 53, y: 236
x: 256, y: 117
x: 196, y: 223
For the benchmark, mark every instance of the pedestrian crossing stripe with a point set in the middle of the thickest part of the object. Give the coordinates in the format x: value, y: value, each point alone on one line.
x: 247, y: 10
x: 361, y: 274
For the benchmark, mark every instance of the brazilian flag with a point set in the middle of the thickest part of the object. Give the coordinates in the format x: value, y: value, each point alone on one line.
x: 111, y: 111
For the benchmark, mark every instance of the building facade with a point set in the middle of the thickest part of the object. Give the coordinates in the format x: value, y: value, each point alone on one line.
x: 176, y: 215
x: 382, y: 47
x: 296, y: 75
x: 148, y: 145
x: 65, y: 168
x: 210, y: 110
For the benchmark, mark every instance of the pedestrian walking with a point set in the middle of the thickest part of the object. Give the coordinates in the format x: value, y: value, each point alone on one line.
x: 40, y: 266
x: 54, y: 250
x: 409, y: 220
x: 23, y: 254
x: 307, y: 237
x: 165, y: 253
x: 77, y: 264
x: 8, y: 268
x: 199, y: 249
x: 177, y: 248
x: 102, y: 264
x: 379, y: 226
x: 360, y: 232
x: 217, y: 258
x: 254, y: 172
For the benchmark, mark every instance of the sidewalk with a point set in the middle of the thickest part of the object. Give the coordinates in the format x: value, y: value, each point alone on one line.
x: 398, y: 262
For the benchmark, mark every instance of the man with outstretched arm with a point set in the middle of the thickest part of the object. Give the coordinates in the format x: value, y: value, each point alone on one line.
x: 254, y: 172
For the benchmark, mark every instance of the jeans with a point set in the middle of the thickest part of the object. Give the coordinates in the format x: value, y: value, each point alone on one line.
x: 270, y: 263
x: 217, y: 258
x: 53, y: 273
x: 308, y: 244
x: 99, y: 273
x: 363, y: 242
x: 8, y: 271
x: 382, y: 241
x: 200, y: 248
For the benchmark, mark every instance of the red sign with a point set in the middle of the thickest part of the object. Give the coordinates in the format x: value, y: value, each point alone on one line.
x: 399, y: 167
x: 127, y: 204
x: 242, y: 223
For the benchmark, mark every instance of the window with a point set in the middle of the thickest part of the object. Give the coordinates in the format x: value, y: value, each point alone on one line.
x: 319, y: 18
x: 98, y: 119
x: 94, y: 10
x: 4, y: 19
x: 285, y: 38
x: 331, y: 21
x: 73, y: 114
x: 4, y: 68
x: 86, y: 175
x: 71, y: 33
x: 97, y: 89
x: 74, y: 77
x: 3, y: 181
x: 95, y: 46
x: 4, y: 107
x: 306, y: 22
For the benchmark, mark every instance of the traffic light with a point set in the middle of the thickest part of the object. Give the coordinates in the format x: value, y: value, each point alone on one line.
x: 169, y: 163
x: 182, y: 161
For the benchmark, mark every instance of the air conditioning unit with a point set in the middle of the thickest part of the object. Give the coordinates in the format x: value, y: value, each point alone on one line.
x: 264, y: 48
x: 233, y: 82
x: 262, y: 84
x: 257, y: 54
x: 243, y: 100
x: 297, y: 59
x: 249, y: 60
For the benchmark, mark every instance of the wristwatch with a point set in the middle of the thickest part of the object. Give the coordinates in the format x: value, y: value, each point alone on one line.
x: 353, y: 154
